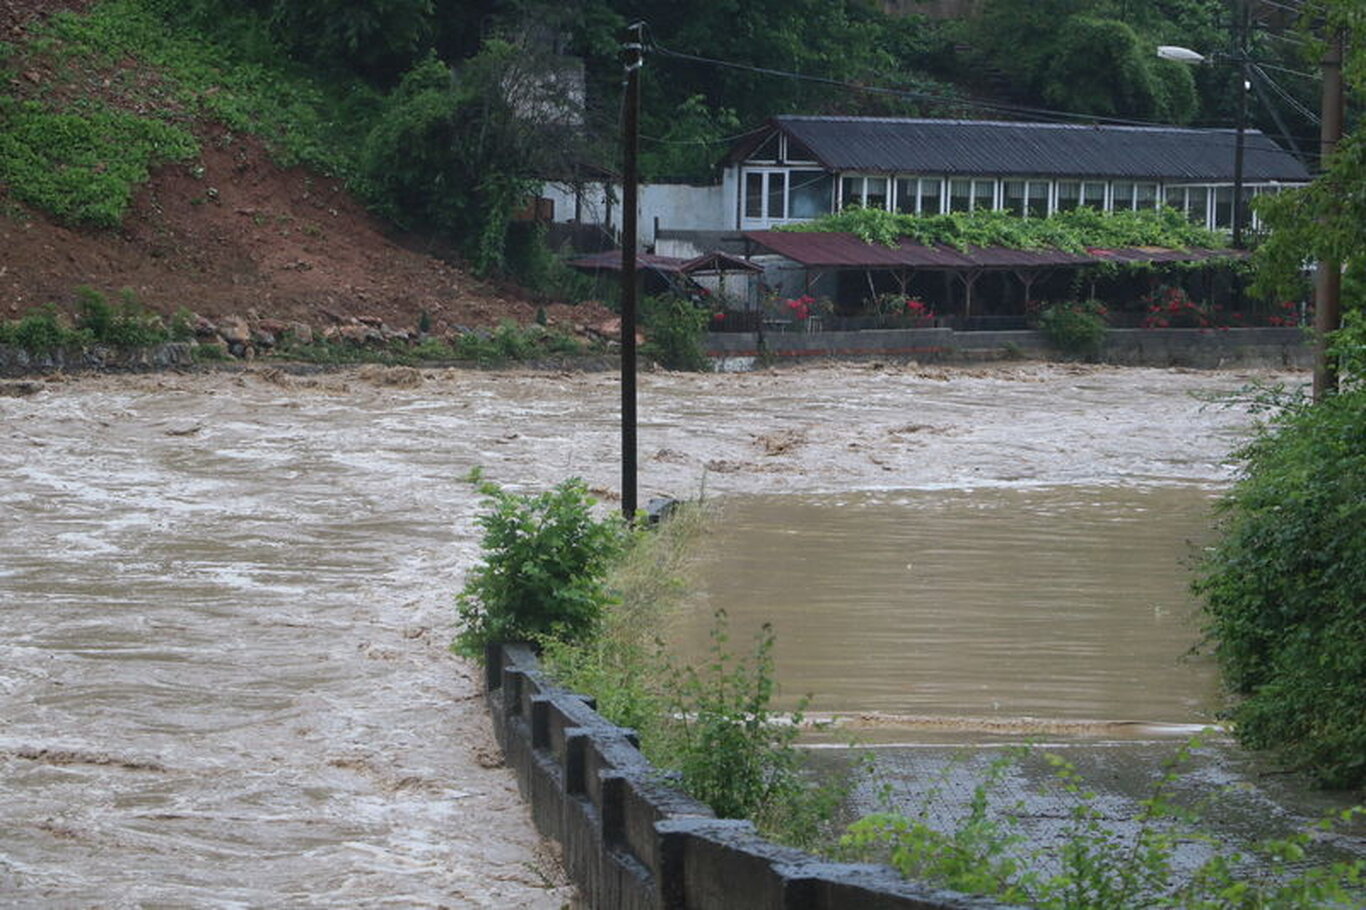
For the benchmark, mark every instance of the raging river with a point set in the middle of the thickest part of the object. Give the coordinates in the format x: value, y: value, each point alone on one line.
x: 226, y: 598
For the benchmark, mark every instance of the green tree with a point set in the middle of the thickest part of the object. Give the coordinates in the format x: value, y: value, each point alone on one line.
x: 1094, y: 57
x: 1285, y: 589
x: 375, y: 38
x: 460, y: 151
x: 1102, y: 66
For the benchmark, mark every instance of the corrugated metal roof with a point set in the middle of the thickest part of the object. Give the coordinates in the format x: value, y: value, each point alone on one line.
x: 831, y: 249
x: 996, y: 148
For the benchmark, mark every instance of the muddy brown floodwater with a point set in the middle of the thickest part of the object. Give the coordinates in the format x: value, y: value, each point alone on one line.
x: 227, y: 597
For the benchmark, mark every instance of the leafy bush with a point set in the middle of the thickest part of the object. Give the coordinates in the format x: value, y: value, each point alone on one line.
x: 1075, y: 327
x: 41, y: 330
x: 675, y: 330
x: 544, y: 568
x: 130, y: 326
x: 1284, y: 588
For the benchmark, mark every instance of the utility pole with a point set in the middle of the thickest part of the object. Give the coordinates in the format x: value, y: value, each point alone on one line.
x: 1243, y: 11
x: 630, y: 213
x: 1328, y: 278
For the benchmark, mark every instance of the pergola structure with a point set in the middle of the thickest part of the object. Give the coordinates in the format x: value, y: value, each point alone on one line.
x: 825, y: 251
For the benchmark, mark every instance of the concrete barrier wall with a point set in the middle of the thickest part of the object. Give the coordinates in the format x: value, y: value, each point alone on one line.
x: 634, y: 842
x: 1198, y: 348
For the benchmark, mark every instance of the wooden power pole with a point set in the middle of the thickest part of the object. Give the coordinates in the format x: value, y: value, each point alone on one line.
x: 1328, y: 277
x: 630, y: 214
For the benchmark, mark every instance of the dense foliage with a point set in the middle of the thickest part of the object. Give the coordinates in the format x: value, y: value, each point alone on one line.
x: 1074, y: 231
x: 1285, y: 589
x: 1076, y: 328
x: 675, y: 328
x: 543, y: 574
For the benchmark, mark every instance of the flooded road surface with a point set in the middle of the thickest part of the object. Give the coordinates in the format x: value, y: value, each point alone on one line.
x: 1019, y: 606
x: 225, y: 599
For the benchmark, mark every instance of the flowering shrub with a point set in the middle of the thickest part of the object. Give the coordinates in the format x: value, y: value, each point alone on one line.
x: 898, y: 306
x: 1172, y: 308
x: 1286, y: 313
x: 918, y: 310
x: 799, y: 308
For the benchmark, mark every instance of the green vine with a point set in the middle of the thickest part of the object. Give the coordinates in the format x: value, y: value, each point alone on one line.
x: 1074, y: 232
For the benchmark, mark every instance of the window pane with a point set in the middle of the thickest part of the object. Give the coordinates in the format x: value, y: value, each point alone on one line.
x: 905, y: 194
x: 930, y: 193
x: 1197, y: 204
x: 1123, y: 197
x: 1223, y: 206
x: 809, y: 194
x: 960, y: 195
x: 754, y: 195
x: 1093, y: 195
x: 1038, y: 199
x: 798, y: 152
x: 1014, y: 192
x: 1146, y: 196
x: 777, y: 195
x: 984, y: 194
x: 875, y: 193
x: 1069, y: 195
x: 768, y: 151
x: 851, y: 191
x: 1176, y: 197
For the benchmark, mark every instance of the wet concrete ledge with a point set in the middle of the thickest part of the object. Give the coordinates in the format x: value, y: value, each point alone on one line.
x: 631, y: 840
x: 1195, y: 348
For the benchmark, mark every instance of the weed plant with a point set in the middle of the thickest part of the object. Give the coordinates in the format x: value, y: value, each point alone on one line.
x: 1091, y: 865
x: 713, y: 727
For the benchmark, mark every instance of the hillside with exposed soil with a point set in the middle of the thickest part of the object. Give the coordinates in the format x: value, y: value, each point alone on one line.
x: 235, y: 238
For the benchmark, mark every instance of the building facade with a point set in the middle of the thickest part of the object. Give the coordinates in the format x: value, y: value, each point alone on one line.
x: 800, y: 167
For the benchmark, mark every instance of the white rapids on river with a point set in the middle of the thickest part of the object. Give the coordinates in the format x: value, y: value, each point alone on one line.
x: 227, y: 597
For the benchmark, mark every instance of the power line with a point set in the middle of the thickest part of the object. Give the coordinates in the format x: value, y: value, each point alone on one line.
x: 1040, y: 114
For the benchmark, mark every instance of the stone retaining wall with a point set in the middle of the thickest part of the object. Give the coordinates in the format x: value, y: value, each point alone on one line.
x: 632, y: 841
x: 15, y: 361
x: 1198, y: 348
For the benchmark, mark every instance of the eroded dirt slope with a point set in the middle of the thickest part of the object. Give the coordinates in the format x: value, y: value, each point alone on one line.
x: 235, y: 235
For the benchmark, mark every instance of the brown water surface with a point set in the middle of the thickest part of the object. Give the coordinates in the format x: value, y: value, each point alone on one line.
x: 1019, y: 605
x: 226, y: 599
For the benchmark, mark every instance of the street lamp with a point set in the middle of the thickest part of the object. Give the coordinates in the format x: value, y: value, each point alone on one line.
x: 1188, y: 56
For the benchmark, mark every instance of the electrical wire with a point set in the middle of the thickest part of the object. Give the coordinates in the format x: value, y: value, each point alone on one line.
x: 1288, y: 98
x: 1040, y: 114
